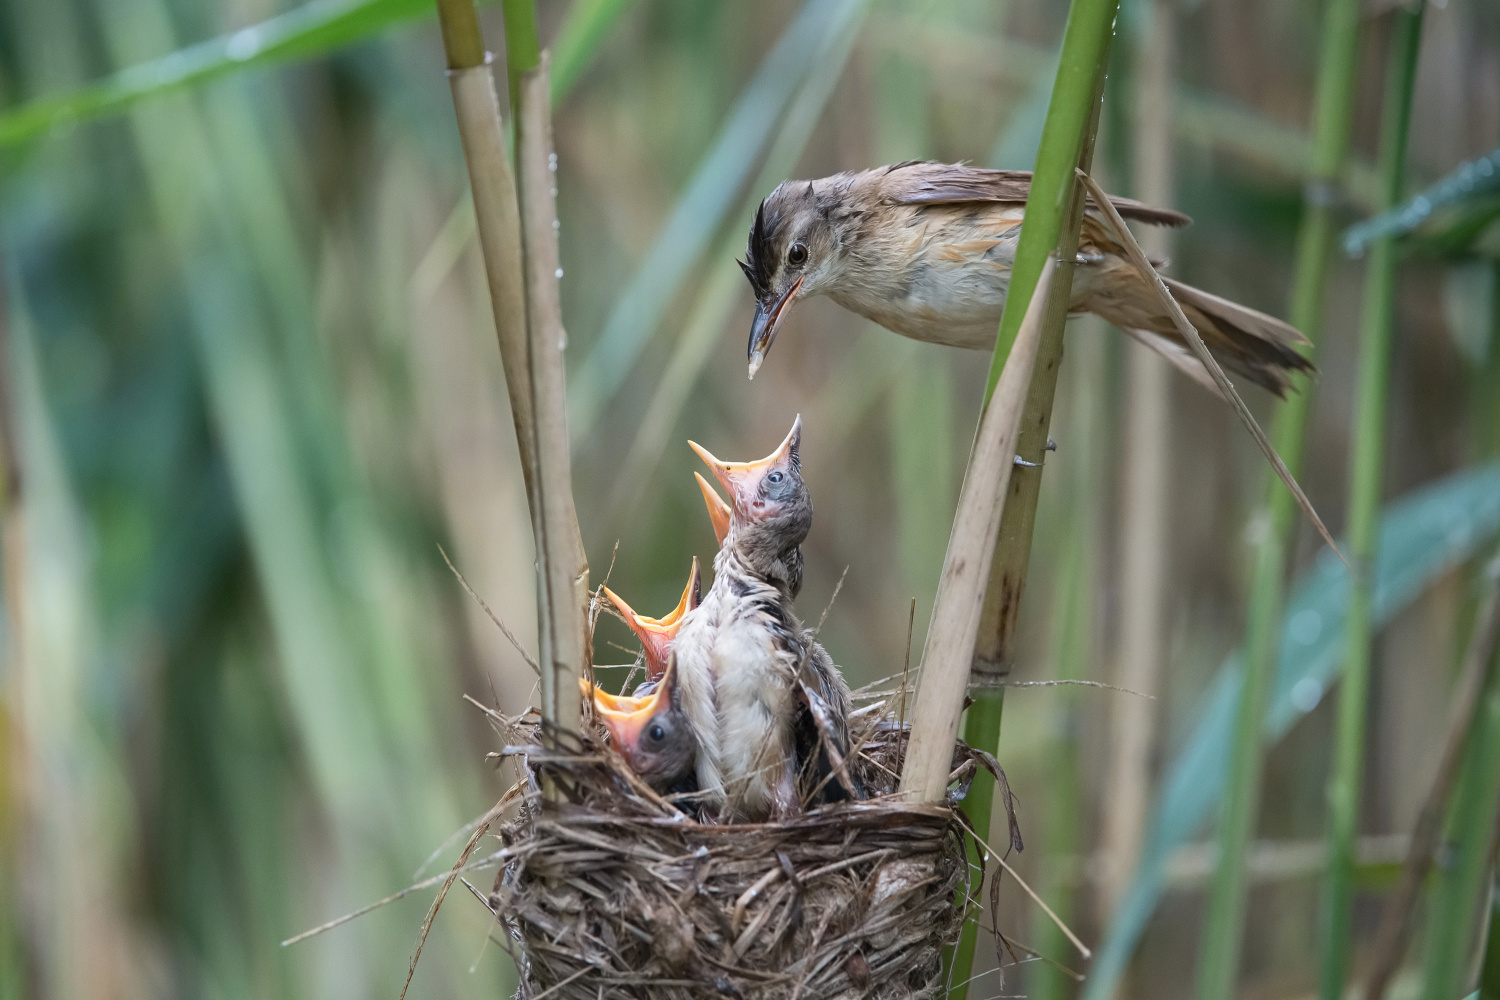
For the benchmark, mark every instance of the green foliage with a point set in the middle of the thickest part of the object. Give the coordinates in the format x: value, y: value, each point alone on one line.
x: 1460, y: 888
x: 308, y: 31
x: 1218, y: 963
x: 1422, y: 537
x: 1072, y: 115
x: 1451, y: 216
x: 701, y: 210
x: 1377, y: 327
x: 313, y: 30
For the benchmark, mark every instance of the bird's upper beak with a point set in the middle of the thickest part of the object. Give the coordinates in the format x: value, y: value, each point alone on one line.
x: 656, y: 634
x: 718, y: 510
x: 767, y: 320
x: 624, y: 716
x: 741, y: 479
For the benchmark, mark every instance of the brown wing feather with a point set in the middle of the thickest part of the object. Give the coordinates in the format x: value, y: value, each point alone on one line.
x: 924, y: 183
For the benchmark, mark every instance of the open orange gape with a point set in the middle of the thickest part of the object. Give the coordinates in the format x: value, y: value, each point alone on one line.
x: 732, y: 826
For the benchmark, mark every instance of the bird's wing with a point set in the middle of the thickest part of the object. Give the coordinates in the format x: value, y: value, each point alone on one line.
x: 919, y: 183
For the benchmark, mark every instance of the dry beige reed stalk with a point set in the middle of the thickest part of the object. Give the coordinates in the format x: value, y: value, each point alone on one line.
x: 949, y: 648
x: 565, y: 567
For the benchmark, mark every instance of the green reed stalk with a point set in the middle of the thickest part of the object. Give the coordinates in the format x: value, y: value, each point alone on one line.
x: 1071, y: 651
x: 1054, y: 212
x: 1489, y: 971
x: 1332, y: 114
x: 1455, y: 902
x: 1364, y: 503
x: 523, y: 47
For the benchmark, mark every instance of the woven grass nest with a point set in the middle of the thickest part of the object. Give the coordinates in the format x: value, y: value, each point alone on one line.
x: 613, y: 891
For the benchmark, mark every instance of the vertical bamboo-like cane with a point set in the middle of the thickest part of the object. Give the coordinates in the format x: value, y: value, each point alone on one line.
x: 565, y: 568
x: 949, y: 649
x: 1054, y: 213
x: 1337, y: 62
x: 498, y: 220
x: 528, y: 321
x: 494, y: 187
x: 1468, y: 696
x: 1367, y: 462
x: 1145, y: 497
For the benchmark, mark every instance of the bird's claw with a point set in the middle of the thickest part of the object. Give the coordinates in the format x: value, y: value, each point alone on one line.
x: 1030, y: 465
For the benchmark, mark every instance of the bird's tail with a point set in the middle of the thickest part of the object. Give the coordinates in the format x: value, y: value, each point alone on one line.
x: 1244, y: 341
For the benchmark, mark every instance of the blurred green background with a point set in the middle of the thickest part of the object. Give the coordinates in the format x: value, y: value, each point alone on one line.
x: 251, y: 386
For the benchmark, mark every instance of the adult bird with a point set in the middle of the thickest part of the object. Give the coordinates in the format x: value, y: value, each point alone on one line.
x: 926, y: 250
x: 650, y: 732
x: 768, y: 705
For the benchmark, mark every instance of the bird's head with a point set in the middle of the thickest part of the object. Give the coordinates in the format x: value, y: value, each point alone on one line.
x: 792, y: 252
x: 656, y: 634
x: 650, y: 732
x: 770, y: 506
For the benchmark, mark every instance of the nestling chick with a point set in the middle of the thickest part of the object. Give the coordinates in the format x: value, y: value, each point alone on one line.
x: 650, y: 732
x: 747, y: 665
x: 656, y: 634
x: 926, y: 249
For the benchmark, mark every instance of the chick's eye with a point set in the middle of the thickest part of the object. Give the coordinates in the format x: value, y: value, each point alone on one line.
x: 656, y: 732
x: 775, y: 478
x: 797, y: 255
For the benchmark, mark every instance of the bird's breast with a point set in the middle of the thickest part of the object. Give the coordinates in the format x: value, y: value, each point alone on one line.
x: 940, y: 276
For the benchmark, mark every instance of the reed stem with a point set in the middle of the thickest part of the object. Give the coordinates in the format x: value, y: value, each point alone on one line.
x: 947, y: 651
x: 1071, y: 650
x: 528, y: 316
x: 1146, y: 499
x: 1054, y: 212
x: 1364, y: 513
x: 1454, y: 905
x: 1219, y: 965
x: 1468, y: 694
x: 564, y: 565
x: 523, y: 47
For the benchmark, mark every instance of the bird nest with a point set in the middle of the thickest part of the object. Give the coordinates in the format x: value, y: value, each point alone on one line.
x: 611, y: 890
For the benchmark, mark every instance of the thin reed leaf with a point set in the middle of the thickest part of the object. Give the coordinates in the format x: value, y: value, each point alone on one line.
x: 1473, y: 189
x: 310, y: 31
x: 1138, y: 257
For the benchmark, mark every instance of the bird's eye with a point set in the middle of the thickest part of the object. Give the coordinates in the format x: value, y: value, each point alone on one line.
x: 656, y: 732
x: 797, y: 255
x: 775, y: 478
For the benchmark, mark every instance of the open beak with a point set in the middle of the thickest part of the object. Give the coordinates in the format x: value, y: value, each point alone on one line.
x: 718, y: 510
x: 656, y: 634
x: 740, y: 479
x: 626, y: 717
x: 767, y: 320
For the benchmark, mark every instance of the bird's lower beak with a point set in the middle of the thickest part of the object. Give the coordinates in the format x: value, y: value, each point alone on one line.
x: 763, y: 328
